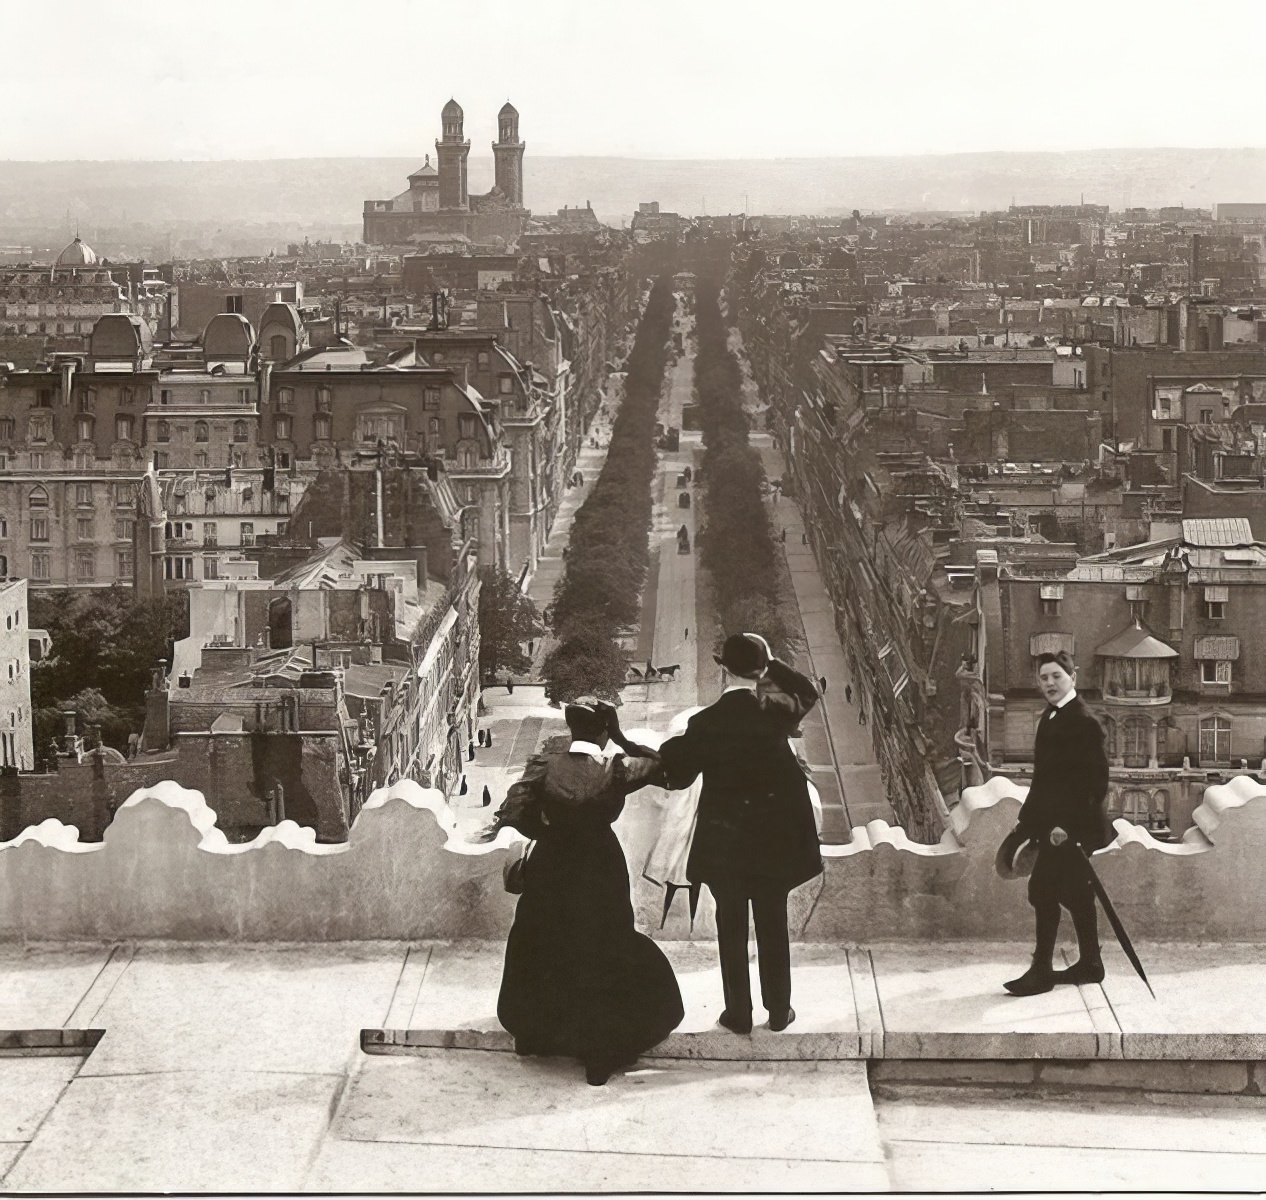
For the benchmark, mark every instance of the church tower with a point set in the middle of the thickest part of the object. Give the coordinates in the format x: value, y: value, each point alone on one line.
x: 507, y: 151
x: 451, y: 152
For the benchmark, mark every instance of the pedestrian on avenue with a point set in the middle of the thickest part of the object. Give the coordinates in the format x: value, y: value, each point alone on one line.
x: 861, y: 713
x: 822, y: 684
x: 509, y: 686
x: 782, y: 535
x: 486, y: 799
x: 1065, y: 817
x: 685, y: 634
x: 848, y: 692
x: 804, y: 539
x: 481, y: 736
x: 488, y: 739
x: 755, y: 836
x: 463, y: 787
x: 579, y: 979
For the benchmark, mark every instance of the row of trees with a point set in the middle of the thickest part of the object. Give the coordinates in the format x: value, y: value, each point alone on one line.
x: 737, y: 545
x: 608, y: 554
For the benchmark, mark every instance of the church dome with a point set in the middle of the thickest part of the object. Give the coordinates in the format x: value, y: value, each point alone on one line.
x: 508, y: 110
x: 77, y: 254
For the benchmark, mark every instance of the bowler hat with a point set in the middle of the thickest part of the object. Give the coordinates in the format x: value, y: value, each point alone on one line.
x: 744, y: 654
x: 1016, y: 856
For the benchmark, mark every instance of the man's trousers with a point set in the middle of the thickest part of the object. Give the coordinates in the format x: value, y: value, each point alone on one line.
x: 768, y: 901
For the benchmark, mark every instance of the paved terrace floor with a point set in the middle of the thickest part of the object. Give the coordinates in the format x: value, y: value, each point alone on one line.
x: 240, y: 1068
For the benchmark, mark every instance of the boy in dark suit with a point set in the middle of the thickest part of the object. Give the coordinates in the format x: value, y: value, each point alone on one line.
x: 1064, y: 814
x: 755, y: 837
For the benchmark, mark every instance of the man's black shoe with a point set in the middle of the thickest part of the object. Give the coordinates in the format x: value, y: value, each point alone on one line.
x: 735, y: 1024
x: 1033, y: 982
x: 782, y: 1020
x: 1082, y: 971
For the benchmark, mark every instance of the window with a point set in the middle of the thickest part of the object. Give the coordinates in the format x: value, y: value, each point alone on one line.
x: 124, y: 495
x: 83, y: 429
x: 162, y: 432
x: 123, y: 564
x: 1206, y: 416
x: 210, y: 567
x: 210, y: 534
x: 283, y: 460
x: 204, y: 395
x: 1216, y: 672
x: 124, y: 529
x: 1167, y: 439
x: 1051, y: 594
x: 285, y: 399
x: 83, y: 529
x: 201, y: 432
x: 321, y: 428
x: 4, y: 527
x: 39, y: 461
x: 38, y: 498
x: 482, y: 358
x: 1163, y: 409
x: 436, y: 425
x: 85, y: 565
x: 39, y: 564
x: 324, y: 399
x: 161, y: 460
x: 431, y: 399
x: 277, y: 346
x: 123, y: 428
x: 467, y: 425
x: 178, y: 566
x: 1215, y: 740
x: 39, y: 529
x: 233, y: 304
x: 281, y: 527
x: 240, y: 431
x: 202, y: 459
x: 247, y: 533
x: 6, y: 429
x: 44, y: 398
x: 125, y: 397
x: 83, y: 495
x: 39, y: 429
x: 505, y: 384
x: 281, y: 427
x: 88, y: 401
x: 1215, y: 600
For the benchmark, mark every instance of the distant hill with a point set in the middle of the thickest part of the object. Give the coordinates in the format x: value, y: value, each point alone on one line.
x: 268, y: 202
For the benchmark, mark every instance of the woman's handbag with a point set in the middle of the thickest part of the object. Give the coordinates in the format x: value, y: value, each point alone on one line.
x: 515, y: 866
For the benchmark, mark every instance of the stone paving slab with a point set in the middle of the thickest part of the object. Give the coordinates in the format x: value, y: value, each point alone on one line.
x: 925, y: 1167
x: 9, y: 1152
x: 209, y: 1006
x: 41, y: 986
x: 987, y: 1141
x: 346, y: 1166
x: 30, y: 1087
x: 947, y: 1001
x: 190, y: 1131
x: 464, y: 1098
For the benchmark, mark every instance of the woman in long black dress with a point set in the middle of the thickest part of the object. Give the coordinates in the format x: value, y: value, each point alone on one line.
x: 579, y: 979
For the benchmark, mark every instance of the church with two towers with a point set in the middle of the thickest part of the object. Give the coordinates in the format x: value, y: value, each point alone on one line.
x: 438, y: 204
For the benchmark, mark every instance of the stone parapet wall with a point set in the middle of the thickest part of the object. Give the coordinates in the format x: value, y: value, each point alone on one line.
x: 165, y: 871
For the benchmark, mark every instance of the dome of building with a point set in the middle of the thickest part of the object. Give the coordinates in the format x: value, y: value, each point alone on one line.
x: 77, y: 254
x: 227, y: 336
x: 508, y: 110
x: 452, y: 109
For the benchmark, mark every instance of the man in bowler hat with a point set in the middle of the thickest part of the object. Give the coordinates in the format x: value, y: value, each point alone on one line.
x: 1063, y: 815
x: 755, y: 837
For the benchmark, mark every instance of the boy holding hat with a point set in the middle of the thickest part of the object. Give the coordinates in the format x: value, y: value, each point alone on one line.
x: 1063, y: 815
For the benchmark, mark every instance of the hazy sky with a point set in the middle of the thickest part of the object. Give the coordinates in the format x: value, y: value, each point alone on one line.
x: 652, y: 78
